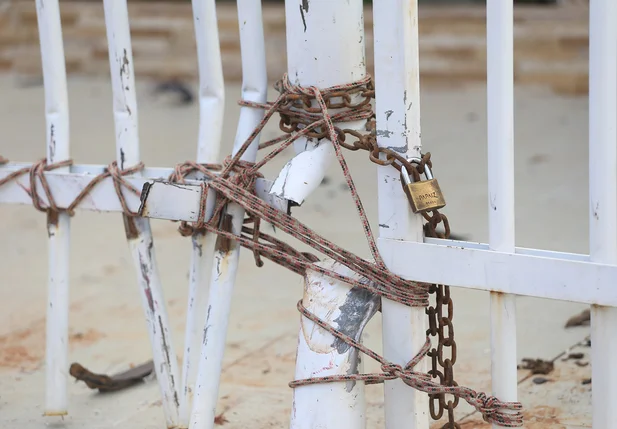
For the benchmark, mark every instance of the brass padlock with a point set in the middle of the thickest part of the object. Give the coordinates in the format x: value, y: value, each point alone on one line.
x: 425, y: 195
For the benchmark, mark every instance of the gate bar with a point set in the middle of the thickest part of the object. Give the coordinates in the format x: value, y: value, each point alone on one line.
x: 254, y: 88
x: 528, y: 272
x: 310, y: 27
x: 138, y: 233
x: 211, y: 111
x: 603, y: 199
x: 58, y: 230
x: 500, y: 119
x: 395, y: 27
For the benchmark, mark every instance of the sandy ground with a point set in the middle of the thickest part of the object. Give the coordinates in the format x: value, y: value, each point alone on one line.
x: 108, y: 331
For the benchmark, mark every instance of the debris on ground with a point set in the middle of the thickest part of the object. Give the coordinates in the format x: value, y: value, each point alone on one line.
x: 537, y: 366
x: 106, y: 383
x: 220, y: 419
x: 540, y: 380
x: 581, y: 319
x: 586, y: 381
x: 180, y: 89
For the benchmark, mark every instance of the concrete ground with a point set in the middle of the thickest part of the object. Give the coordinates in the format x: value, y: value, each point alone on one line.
x: 108, y: 332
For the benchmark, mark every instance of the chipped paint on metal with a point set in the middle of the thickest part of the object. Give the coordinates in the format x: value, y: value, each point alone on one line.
x: 358, y: 309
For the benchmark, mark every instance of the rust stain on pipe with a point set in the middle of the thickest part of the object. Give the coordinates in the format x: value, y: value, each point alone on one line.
x: 130, y: 229
x: 224, y: 244
x: 52, y: 219
x: 168, y: 362
x: 146, y: 276
x: 143, y: 198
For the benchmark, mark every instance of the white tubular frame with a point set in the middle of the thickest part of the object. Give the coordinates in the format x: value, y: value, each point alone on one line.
x: 66, y: 186
x: 500, y: 111
x: 139, y: 235
x: 397, y: 103
x: 320, y: 354
x: 211, y: 110
x: 309, y: 43
x: 225, y: 266
x: 58, y: 230
x: 310, y: 26
x: 498, y: 267
x: 603, y: 199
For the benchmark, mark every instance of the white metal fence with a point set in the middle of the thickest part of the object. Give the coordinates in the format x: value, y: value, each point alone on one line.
x: 325, y: 52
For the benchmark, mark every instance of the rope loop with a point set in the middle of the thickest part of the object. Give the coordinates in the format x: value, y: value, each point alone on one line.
x: 36, y: 174
x: 312, y: 113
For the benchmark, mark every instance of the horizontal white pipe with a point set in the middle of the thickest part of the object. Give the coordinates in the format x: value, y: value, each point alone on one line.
x: 156, y: 205
x: 603, y: 199
x: 94, y: 170
x: 65, y: 187
x: 58, y: 230
x: 519, y: 250
x: 547, y: 276
x: 320, y: 354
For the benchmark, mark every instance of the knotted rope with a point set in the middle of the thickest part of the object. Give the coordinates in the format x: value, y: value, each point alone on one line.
x: 234, y: 182
x: 489, y: 406
x: 376, y: 278
x: 36, y: 173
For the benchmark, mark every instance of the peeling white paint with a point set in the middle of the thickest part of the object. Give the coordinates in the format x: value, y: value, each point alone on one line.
x: 58, y: 232
x: 310, y: 45
x: 139, y: 235
x: 330, y: 405
x: 304, y: 172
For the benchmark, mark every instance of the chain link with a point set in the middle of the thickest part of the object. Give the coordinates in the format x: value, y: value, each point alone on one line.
x: 441, y: 327
x: 300, y: 113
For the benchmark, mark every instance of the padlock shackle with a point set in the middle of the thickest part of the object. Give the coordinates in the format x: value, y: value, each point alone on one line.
x: 427, y: 170
x: 405, y: 175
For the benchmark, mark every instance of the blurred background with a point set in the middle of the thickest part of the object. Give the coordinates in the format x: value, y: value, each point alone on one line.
x: 550, y: 40
x: 107, y: 328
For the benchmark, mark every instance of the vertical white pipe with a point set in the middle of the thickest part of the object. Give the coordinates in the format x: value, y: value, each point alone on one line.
x: 320, y: 354
x: 225, y: 266
x: 211, y: 110
x: 58, y: 230
x: 398, y: 127
x: 603, y: 199
x: 139, y: 235
x: 500, y: 115
x: 315, y: 58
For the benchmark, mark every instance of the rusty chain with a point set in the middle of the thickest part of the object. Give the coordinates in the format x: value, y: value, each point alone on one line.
x: 441, y: 326
x: 300, y: 114
x: 299, y: 123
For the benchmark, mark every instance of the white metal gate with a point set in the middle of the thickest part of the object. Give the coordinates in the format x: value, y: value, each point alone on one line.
x: 190, y: 395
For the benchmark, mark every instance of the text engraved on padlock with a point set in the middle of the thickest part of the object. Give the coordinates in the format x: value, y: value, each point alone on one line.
x: 425, y: 196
